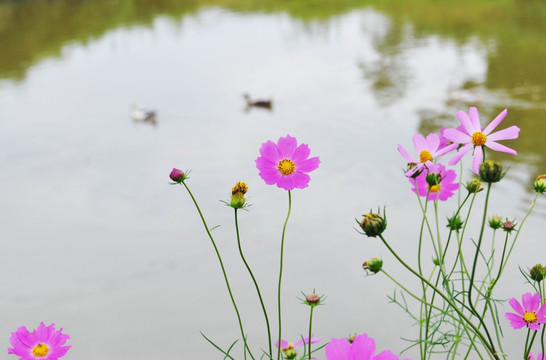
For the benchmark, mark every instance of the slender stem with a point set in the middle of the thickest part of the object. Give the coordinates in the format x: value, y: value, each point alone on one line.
x: 310, y: 327
x: 280, y: 271
x: 255, y: 284
x: 526, y: 343
x: 222, y: 266
x: 489, y: 345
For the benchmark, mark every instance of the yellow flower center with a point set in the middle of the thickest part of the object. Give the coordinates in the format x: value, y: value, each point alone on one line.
x: 286, y: 166
x: 40, y: 350
x: 530, y: 317
x: 240, y: 187
x: 425, y: 156
x: 478, y: 138
x: 435, y: 188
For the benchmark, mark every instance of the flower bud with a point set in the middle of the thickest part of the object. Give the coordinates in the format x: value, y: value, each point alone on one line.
x: 491, y: 171
x: 455, y: 223
x: 537, y: 272
x: 289, y: 352
x: 177, y: 175
x: 374, y: 265
x: 436, y: 261
x: 540, y: 184
x: 508, y: 226
x: 473, y: 186
x: 373, y: 224
x: 432, y: 179
x: 312, y: 299
x: 238, y: 195
x: 495, y: 222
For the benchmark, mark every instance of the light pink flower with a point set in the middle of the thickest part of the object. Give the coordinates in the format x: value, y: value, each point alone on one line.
x: 531, y: 314
x: 362, y: 348
x: 472, y: 136
x: 446, y: 183
x: 428, y: 148
x: 286, y: 164
x: 44, y: 343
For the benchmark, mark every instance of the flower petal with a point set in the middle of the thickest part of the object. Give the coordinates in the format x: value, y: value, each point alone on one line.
x: 465, y: 122
x: 433, y: 142
x: 462, y: 151
x: 493, y: 124
x: 499, y: 147
x: 445, y: 150
x: 386, y: 355
x: 363, y: 348
x: 509, y: 133
x: 287, y: 146
x: 270, y: 151
x: 338, y: 349
x: 406, y: 155
x: 301, y: 153
x: 475, y: 119
x: 308, y: 165
x: 477, y: 160
x: 516, y: 321
x: 514, y: 303
x: 457, y: 136
x: 301, y: 180
x: 419, y: 142
x: 286, y: 182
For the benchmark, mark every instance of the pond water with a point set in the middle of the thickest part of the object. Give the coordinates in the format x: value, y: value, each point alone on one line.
x: 96, y: 240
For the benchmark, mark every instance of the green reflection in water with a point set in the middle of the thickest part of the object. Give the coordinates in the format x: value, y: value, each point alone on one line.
x: 515, y: 29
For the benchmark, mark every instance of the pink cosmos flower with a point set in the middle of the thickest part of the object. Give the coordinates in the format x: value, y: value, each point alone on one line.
x: 44, y: 343
x: 285, y: 163
x: 288, y: 348
x: 446, y: 183
x: 473, y: 136
x: 428, y: 148
x: 531, y: 314
x: 362, y: 348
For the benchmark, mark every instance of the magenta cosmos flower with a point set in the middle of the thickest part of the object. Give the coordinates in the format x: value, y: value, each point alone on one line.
x: 428, y: 148
x: 531, y: 314
x: 285, y: 163
x: 446, y: 183
x: 44, y: 343
x: 472, y: 136
x: 362, y: 348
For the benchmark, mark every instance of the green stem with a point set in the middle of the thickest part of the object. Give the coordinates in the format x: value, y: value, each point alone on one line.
x: 222, y: 266
x: 490, y: 347
x: 280, y: 271
x: 255, y: 284
x: 310, y: 327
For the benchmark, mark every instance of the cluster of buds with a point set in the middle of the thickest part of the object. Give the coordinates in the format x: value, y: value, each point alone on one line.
x: 373, y: 224
x: 540, y: 184
x: 538, y: 272
x: 491, y: 171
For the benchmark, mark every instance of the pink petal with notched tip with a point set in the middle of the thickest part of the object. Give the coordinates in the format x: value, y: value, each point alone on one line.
x: 308, y: 165
x: 287, y: 146
x: 433, y: 142
x: 457, y: 136
x: 419, y: 142
x: 496, y: 121
x: 499, y: 147
x: 338, y: 349
x: 505, y: 134
x: 465, y: 122
x: 406, y: 155
x: 475, y: 118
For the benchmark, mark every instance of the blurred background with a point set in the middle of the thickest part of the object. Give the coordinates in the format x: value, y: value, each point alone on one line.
x: 94, y: 238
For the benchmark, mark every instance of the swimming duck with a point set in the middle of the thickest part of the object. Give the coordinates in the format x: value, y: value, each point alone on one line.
x: 139, y: 114
x: 265, y: 104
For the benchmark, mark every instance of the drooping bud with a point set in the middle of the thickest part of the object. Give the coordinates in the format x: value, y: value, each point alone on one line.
x: 495, y: 222
x: 455, y: 223
x: 177, y: 175
x: 508, y: 226
x: 491, y: 171
x: 538, y: 272
x: 540, y: 184
x: 373, y: 224
x: 473, y: 186
x: 374, y: 265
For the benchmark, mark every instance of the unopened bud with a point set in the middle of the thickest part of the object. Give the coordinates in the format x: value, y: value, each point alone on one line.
x: 491, y: 171
x: 373, y: 224
x: 177, y: 175
x: 508, y: 226
x: 540, y: 184
x: 495, y: 222
x: 455, y: 223
x: 537, y: 272
x: 374, y: 265
x: 473, y: 186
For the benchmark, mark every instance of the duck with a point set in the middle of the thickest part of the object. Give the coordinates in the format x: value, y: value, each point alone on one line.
x: 265, y: 104
x: 140, y: 114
